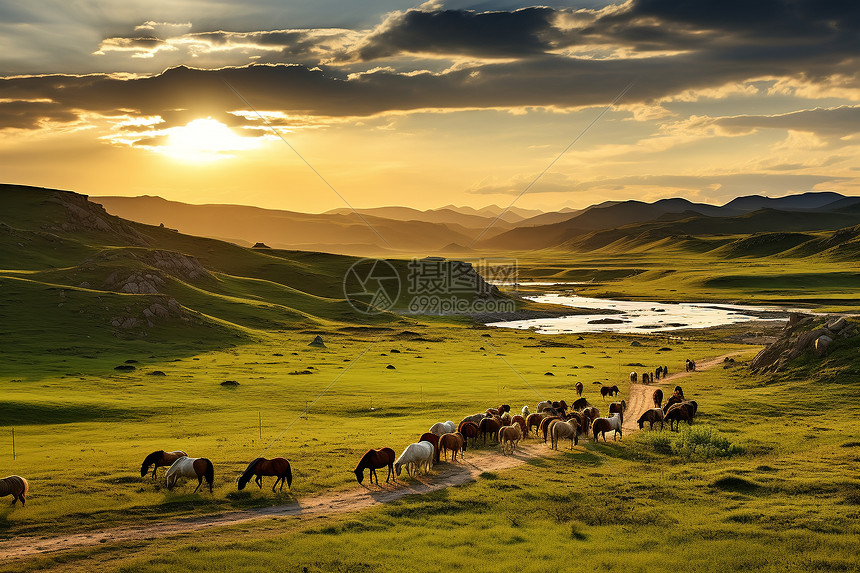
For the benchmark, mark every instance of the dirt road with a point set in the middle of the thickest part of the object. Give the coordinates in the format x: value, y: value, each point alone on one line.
x: 357, y: 499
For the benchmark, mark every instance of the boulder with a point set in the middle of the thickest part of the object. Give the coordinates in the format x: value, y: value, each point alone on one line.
x: 821, y: 345
x: 837, y: 324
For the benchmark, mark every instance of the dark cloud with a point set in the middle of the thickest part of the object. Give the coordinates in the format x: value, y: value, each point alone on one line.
x: 462, y: 32
x: 837, y: 122
x: 30, y: 114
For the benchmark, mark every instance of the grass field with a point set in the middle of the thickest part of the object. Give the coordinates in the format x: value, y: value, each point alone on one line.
x: 766, y: 479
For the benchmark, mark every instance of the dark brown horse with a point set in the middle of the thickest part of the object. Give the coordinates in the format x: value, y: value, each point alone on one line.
x: 608, y: 391
x: 618, y: 408
x: 658, y: 398
x: 675, y: 415
x: 580, y: 403
x: 471, y: 431
x: 489, y: 427
x: 260, y: 467
x: 544, y: 426
x: 373, y: 460
x: 434, y: 439
x: 579, y: 388
x: 651, y: 416
x: 679, y: 391
x: 16, y: 486
x: 160, y: 459
x: 533, y: 421
x: 673, y: 399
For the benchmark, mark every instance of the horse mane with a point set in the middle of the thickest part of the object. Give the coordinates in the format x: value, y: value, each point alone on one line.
x: 249, y: 471
x: 149, y: 460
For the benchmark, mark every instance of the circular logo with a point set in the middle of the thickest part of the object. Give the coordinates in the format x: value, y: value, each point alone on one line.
x: 371, y: 286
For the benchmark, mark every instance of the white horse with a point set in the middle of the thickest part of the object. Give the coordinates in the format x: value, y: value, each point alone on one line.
x: 561, y: 430
x: 441, y: 428
x: 603, y: 425
x: 191, y: 468
x: 545, y: 405
x: 525, y: 411
x: 415, y: 457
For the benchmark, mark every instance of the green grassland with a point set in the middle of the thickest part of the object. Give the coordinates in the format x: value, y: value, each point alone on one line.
x: 765, y: 480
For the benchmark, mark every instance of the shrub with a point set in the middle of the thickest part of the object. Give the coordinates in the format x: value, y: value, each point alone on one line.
x: 691, y: 443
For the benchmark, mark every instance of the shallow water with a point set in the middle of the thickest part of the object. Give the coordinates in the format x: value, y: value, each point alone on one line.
x: 640, y: 316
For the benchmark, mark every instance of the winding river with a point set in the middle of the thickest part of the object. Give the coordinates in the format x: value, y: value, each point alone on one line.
x: 640, y: 316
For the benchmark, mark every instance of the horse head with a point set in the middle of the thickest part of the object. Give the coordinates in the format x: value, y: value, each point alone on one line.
x: 359, y: 474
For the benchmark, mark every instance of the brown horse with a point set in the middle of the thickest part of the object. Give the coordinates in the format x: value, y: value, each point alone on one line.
x: 533, y: 421
x: 160, y: 459
x: 689, y: 365
x: 453, y: 442
x: 579, y: 388
x: 675, y: 415
x: 581, y: 421
x: 470, y: 430
x: 499, y: 411
x: 679, y: 391
x: 278, y: 467
x: 489, y: 426
x: 16, y: 486
x: 633, y: 377
x: 434, y: 439
x: 608, y: 391
x: 658, y: 398
x: 544, y: 426
x: 510, y: 435
x: 373, y: 460
x: 651, y: 416
x: 521, y: 422
x: 673, y: 399
x: 580, y: 403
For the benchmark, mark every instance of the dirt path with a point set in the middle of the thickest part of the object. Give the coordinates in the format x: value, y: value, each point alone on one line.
x: 357, y: 499
x: 641, y: 395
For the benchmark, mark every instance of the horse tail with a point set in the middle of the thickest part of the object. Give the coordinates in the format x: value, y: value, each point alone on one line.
x: 249, y: 471
x: 210, y: 473
x: 289, y: 475
x: 25, y: 487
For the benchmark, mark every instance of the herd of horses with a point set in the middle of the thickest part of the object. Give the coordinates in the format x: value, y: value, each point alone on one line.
x: 553, y: 420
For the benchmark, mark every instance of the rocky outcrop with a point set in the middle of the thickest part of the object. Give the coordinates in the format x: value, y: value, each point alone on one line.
x: 162, y: 309
x: 799, y: 336
x: 84, y: 215
x: 152, y: 281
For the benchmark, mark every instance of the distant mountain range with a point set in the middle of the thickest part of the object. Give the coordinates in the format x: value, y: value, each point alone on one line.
x: 452, y: 229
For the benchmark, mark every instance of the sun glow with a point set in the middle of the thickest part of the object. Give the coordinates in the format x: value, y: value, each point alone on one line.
x: 204, y: 140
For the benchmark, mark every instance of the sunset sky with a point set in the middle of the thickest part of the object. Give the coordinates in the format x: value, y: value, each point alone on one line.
x: 430, y: 104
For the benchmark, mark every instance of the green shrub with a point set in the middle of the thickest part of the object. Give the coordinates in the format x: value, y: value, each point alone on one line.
x: 691, y: 443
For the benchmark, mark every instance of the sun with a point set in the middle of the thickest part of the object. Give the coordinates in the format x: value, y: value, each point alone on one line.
x: 205, y: 140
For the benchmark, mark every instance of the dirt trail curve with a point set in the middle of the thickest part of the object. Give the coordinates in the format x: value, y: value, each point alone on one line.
x: 445, y: 475
x: 356, y: 499
x: 641, y: 395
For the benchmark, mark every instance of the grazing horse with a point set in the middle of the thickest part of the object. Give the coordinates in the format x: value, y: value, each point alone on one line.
x: 673, y: 399
x: 665, y: 371
x: 658, y: 398
x: 608, y: 391
x: 533, y: 421
x: 470, y: 430
x: 374, y: 460
x: 545, y: 405
x: 603, y: 425
x: 434, y: 439
x: 489, y: 426
x: 158, y: 459
x: 679, y: 391
x: 16, y: 486
x: 260, y: 467
x: 651, y: 416
x: 689, y: 365
x: 454, y: 442
x: 191, y: 468
x: 579, y: 388
x: 559, y: 430
x: 633, y: 377
x: 618, y: 408
x: 657, y: 372
x: 675, y: 415
x: 510, y: 435
x: 475, y: 418
x: 414, y: 457
x: 580, y: 404
x: 521, y: 422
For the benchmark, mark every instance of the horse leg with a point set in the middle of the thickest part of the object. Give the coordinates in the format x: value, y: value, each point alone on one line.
x: 199, y: 483
x: 259, y: 481
x: 153, y: 471
x: 275, y: 484
x: 390, y: 473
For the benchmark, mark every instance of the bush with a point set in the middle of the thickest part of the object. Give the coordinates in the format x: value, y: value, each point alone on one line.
x: 691, y: 443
